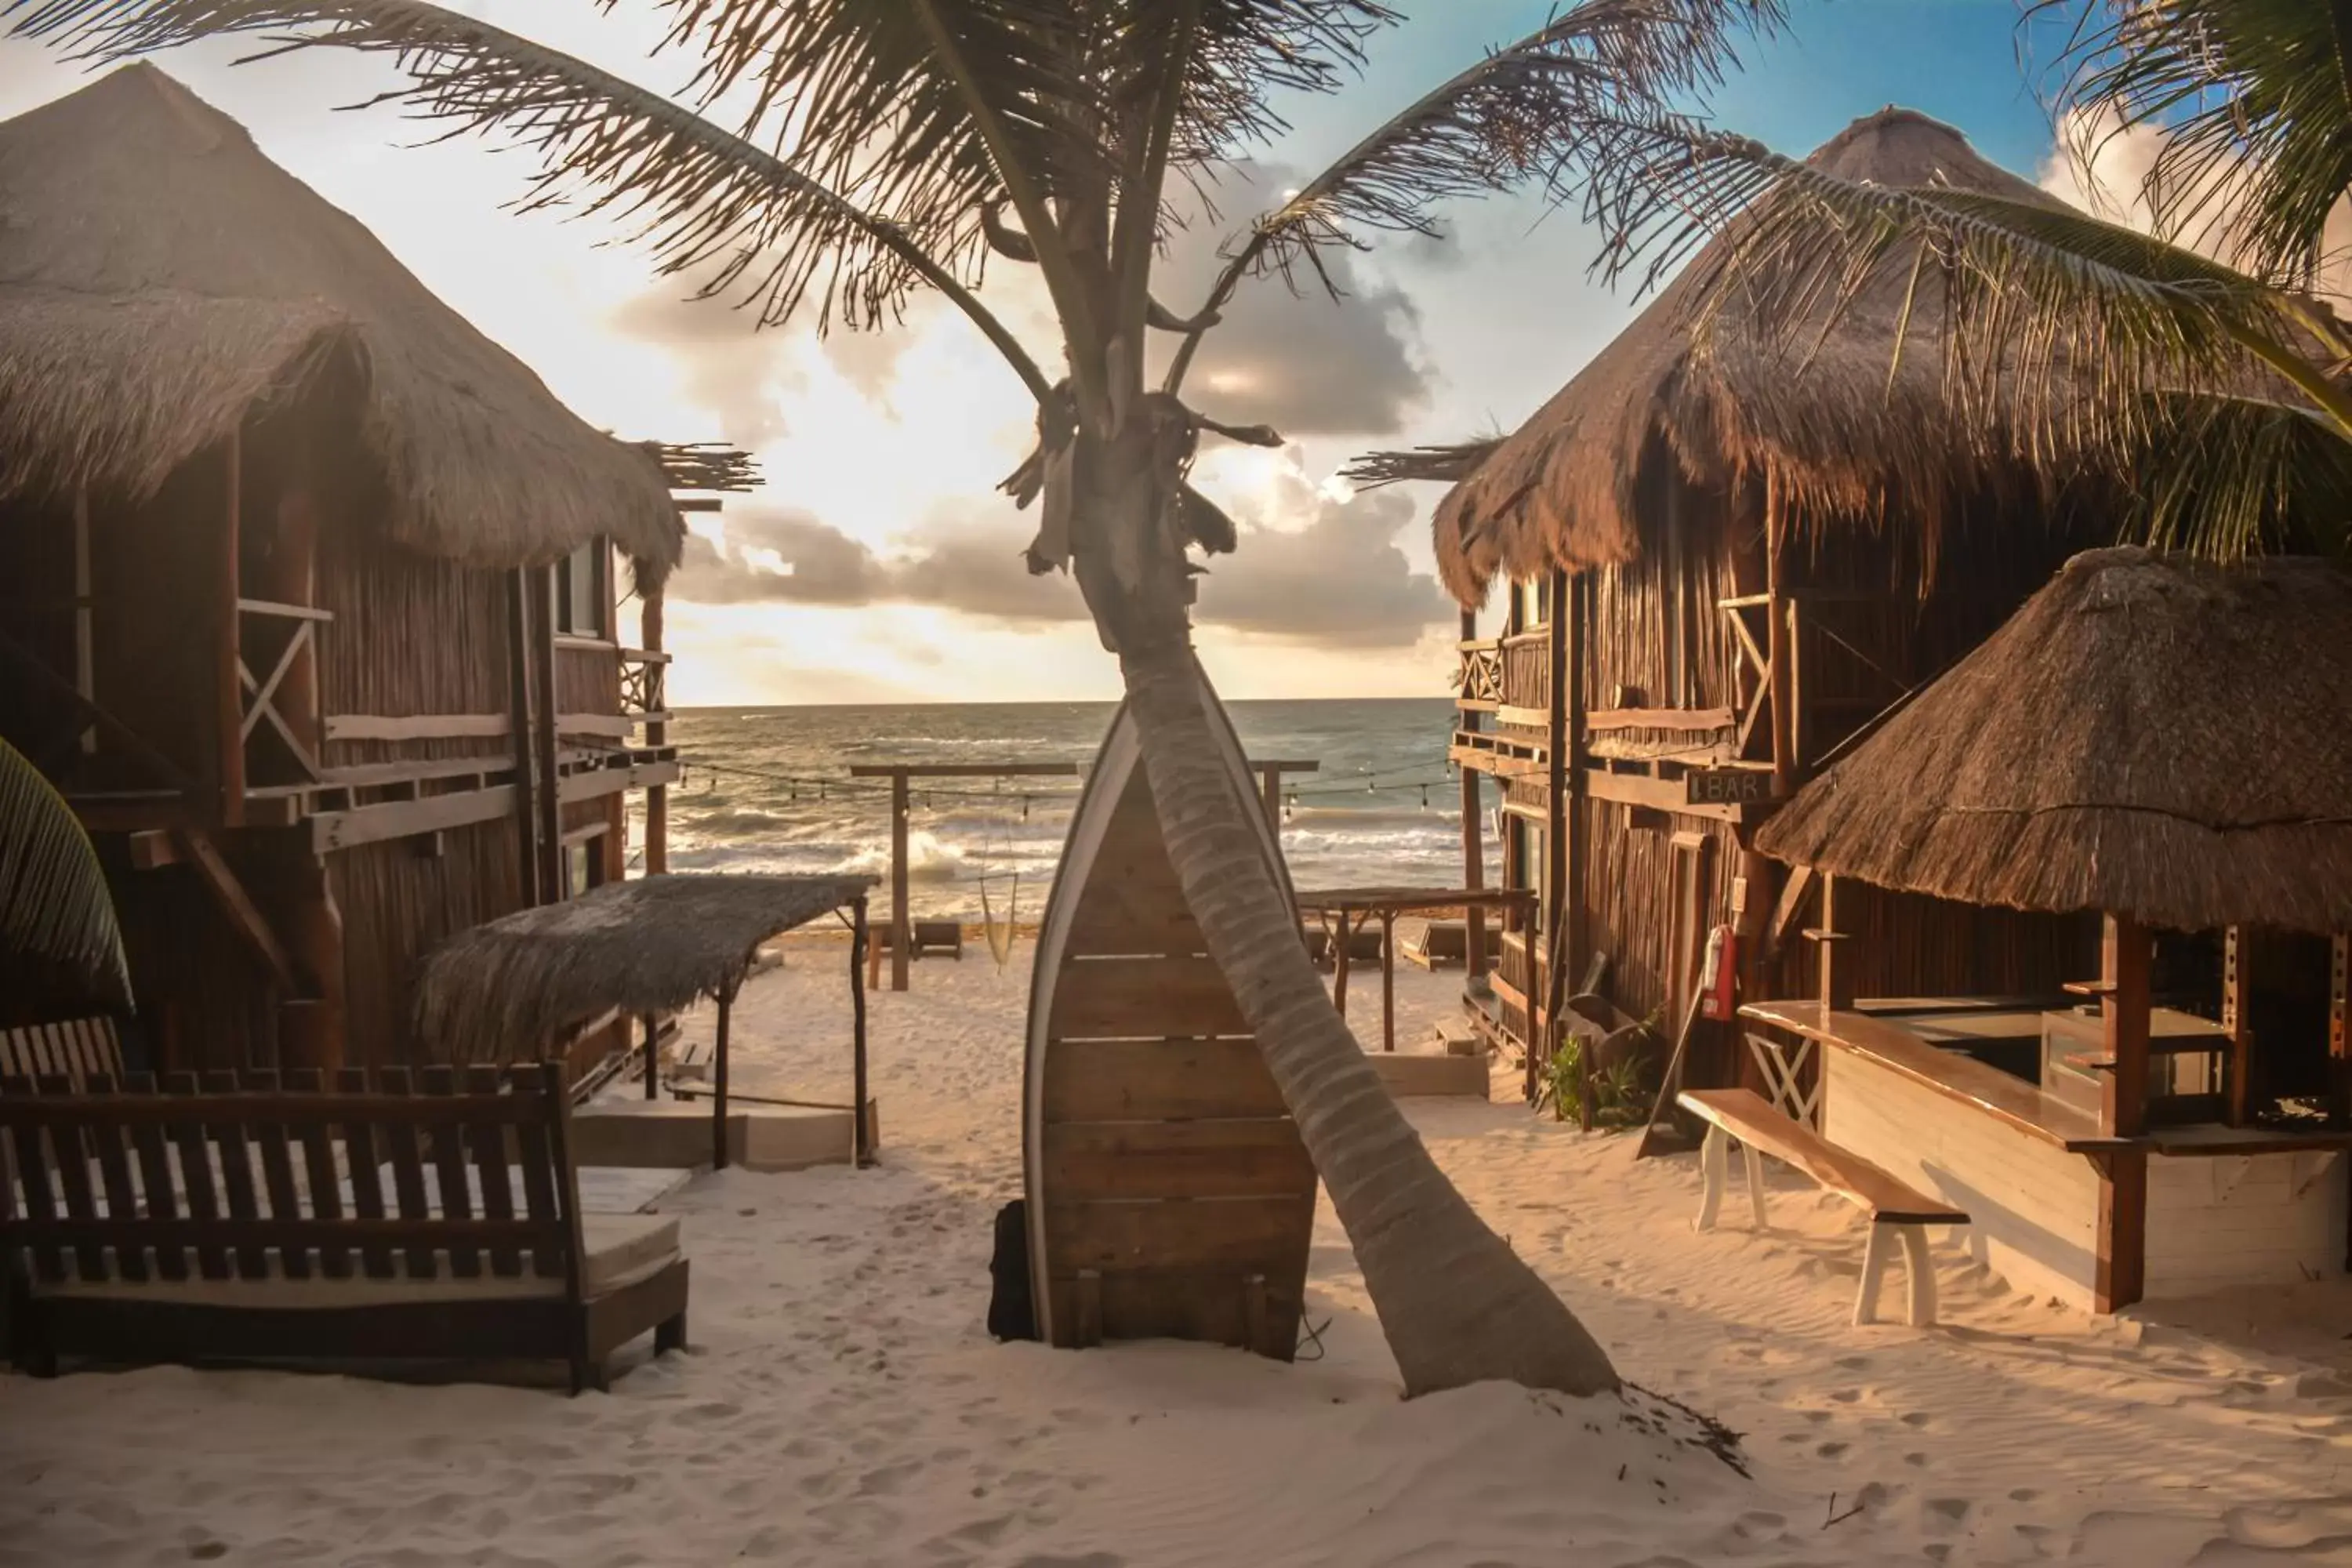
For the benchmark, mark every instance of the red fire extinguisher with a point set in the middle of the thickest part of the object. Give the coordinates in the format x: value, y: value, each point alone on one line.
x: 1720, y: 983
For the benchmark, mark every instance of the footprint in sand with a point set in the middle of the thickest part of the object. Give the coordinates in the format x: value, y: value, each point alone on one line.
x: 1832, y: 1451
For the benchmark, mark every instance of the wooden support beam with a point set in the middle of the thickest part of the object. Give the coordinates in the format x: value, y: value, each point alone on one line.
x: 549, y: 798
x: 1473, y: 847
x: 311, y: 1028
x: 516, y: 727
x: 1570, y: 698
x: 331, y: 830
x: 650, y: 630
x: 1794, y: 891
x: 244, y: 917
x: 228, y: 692
x: 1561, y: 730
x: 2127, y: 951
x: 1652, y: 793
x: 152, y: 849
x: 1780, y: 667
x: 902, y: 926
x: 85, y: 609
x: 1839, y: 896
x: 1680, y: 719
x: 2240, y: 1066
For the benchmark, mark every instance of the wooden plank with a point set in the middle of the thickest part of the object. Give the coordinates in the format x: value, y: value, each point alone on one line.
x: 1210, y: 1307
x: 1132, y: 998
x: 1750, y: 1119
x: 1523, y: 718
x: 1117, y: 915
x: 107, y: 1146
x: 278, y: 1178
x: 415, y: 727
x: 155, y: 1181
x: 315, y: 1138
x: 450, y: 1172
x: 1256, y: 1158
x: 363, y: 1156
x: 236, y: 1178
x: 283, y: 612
x: 542, y: 1177
x: 34, y: 1165
x: 196, y: 1184
x: 1152, y: 1081
x: 1234, y: 1236
x: 228, y: 696
x: 72, y: 1146
x: 1659, y: 794
x: 407, y: 1174
x: 488, y: 1143
x: 1690, y: 720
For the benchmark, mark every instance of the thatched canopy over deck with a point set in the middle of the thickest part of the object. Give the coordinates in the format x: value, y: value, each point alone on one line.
x: 161, y: 282
x: 657, y: 944
x: 2149, y: 736
x: 1818, y: 410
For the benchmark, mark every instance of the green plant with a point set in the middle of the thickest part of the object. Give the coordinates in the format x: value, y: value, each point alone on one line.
x: 1619, y: 1097
x: 60, y: 950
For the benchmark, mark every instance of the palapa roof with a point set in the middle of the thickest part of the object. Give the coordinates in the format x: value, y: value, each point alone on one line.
x: 2149, y: 736
x: 1819, y: 410
x: 159, y: 278
x: 657, y: 944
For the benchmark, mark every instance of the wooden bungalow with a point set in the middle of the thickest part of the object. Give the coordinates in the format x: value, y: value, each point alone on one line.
x: 313, y: 595
x: 1722, y: 560
x: 2156, y: 744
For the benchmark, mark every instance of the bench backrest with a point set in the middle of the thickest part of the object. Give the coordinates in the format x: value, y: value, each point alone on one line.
x: 78, y: 1049
x: 245, y: 1178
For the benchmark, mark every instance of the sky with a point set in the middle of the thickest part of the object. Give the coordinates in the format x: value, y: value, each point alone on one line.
x: 879, y: 564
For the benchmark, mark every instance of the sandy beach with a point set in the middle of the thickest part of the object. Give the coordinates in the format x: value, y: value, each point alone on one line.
x: 842, y: 1404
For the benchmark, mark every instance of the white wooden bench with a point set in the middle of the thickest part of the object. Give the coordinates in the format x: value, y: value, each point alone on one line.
x: 1746, y: 1117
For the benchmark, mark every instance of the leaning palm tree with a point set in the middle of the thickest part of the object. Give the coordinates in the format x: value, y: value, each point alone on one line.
x: 60, y: 950
x: 835, y: 156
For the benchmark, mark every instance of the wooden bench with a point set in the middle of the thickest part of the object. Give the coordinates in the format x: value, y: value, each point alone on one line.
x: 1746, y: 1117
x: 77, y: 1049
x: 1442, y: 944
x: 248, y: 1221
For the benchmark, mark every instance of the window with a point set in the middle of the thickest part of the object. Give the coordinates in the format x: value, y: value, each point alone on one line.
x: 581, y: 863
x: 582, y: 596
x: 1531, y: 604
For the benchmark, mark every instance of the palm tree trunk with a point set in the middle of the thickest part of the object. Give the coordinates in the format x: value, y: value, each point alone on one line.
x: 1458, y: 1305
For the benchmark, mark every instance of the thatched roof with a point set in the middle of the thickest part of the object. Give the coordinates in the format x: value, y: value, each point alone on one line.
x: 2148, y: 736
x: 510, y: 988
x: 1818, y: 410
x: 159, y: 278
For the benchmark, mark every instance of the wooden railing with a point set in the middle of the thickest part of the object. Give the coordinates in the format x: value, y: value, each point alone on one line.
x: 1480, y: 685
x: 1527, y: 671
x: 645, y: 685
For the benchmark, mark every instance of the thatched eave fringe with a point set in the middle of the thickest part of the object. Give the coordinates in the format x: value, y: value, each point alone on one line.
x: 512, y: 989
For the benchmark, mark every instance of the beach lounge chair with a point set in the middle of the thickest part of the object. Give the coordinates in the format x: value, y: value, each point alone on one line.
x: 249, y: 1223
x: 931, y: 939
x: 1441, y: 944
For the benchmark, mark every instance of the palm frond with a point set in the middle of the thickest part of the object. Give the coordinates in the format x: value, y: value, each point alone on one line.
x: 2235, y: 477
x: 1512, y: 119
x: 1443, y: 465
x: 2051, y: 323
x: 61, y: 949
x: 2253, y: 102
x: 706, y: 198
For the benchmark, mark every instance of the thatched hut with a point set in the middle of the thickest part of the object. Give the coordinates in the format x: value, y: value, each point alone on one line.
x: 317, y: 586
x: 2159, y: 743
x: 1726, y: 552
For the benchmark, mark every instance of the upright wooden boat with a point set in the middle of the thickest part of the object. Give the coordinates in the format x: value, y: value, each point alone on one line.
x: 1169, y: 1194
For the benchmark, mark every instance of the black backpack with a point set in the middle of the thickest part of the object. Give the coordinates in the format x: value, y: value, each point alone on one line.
x: 1011, y: 1313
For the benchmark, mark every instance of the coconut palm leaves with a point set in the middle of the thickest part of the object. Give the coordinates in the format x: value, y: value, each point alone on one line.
x: 59, y: 947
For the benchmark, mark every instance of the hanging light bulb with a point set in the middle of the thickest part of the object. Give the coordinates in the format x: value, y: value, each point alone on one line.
x: 1425, y: 797
x: 1024, y: 808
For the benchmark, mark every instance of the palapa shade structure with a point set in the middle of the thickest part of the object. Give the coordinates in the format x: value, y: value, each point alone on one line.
x: 520, y: 984
x: 2152, y: 737
x: 162, y: 281
x: 1817, y: 411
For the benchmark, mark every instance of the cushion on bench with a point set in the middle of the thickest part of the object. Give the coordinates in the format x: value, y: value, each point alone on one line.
x: 620, y: 1250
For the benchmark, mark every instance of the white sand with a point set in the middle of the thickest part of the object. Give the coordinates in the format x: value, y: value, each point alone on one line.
x: 842, y: 1404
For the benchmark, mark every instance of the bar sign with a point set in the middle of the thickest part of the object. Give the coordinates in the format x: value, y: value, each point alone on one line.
x: 1726, y: 787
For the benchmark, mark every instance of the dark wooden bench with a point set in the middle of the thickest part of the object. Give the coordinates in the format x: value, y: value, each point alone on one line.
x: 247, y: 1221
x: 77, y: 1049
x: 1747, y: 1118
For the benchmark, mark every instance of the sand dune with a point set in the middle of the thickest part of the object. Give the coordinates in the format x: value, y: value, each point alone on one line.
x: 841, y: 1404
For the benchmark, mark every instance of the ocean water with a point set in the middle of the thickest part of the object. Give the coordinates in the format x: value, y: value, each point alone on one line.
x: 767, y: 789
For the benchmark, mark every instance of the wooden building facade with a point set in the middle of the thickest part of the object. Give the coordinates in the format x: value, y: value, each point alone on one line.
x: 1720, y: 567
x: 315, y: 592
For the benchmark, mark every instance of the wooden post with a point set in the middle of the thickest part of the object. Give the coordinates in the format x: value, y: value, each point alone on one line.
x: 1778, y: 651
x: 1474, y: 844
x: 1838, y: 896
x: 85, y: 610
x: 1271, y: 789
x: 526, y: 813
x: 1561, y: 740
x: 902, y: 929
x: 650, y: 632
x: 550, y: 783
x: 2241, y: 1087
x: 1387, y: 980
x: 719, y: 1084
x: 229, y: 742
x: 1577, y: 945
x: 293, y: 579
x: 1339, y: 965
x: 2126, y: 950
x: 653, y: 1055
x: 312, y: 1030
x: 861, y: 1135
x: 2339, y: 1029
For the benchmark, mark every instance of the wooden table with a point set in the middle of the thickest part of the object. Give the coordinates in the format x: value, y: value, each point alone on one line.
x: 1351, y: 906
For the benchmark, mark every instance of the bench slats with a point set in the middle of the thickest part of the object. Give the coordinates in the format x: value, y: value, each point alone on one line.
x: 108, y: 1140
x: 196, y: 1171
x: 449, y: 1173
x: 363, y: 1152
x: 1748, y: 1117
x: 277, y: 1176
x: 407, y: 1173
x: 318, y: 1172
x: 237, y: 1179
x: 490, y: 1146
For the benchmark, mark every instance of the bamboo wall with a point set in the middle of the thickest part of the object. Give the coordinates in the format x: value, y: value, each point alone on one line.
x: 398, y: 905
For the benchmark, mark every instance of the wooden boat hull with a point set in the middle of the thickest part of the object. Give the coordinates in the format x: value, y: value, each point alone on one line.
x: 1169, y: 1194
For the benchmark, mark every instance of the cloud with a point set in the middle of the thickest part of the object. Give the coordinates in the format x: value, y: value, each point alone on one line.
x: 1303, y: 362
x: 730, y: 366
x: 1315, y: 569
x: 2105, y: 169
